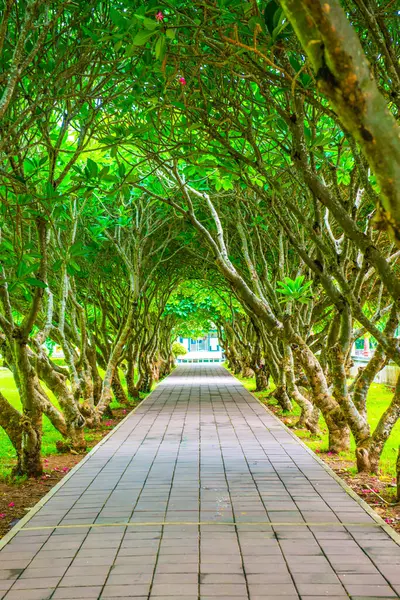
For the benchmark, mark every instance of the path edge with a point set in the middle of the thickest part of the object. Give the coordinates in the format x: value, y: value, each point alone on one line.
x: 31, y: 513
x: 389, y: 530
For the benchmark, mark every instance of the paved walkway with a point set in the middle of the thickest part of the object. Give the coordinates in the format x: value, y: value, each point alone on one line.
x: 200, y: 494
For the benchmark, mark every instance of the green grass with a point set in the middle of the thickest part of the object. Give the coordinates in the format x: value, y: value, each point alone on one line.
x: 50, y: 434
x: 379, y: 398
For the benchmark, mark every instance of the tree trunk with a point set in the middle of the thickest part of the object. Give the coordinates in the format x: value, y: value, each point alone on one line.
x: 166, y: 367
x: 236, y: 367
x: 155, y: 369
x: 307, y: 417
x: 112, y: 364
x: 146, y: 379
x: 11, y: 421
x: 262, y: 378
x: 247, y: 372
x: 74, y: 421
x: 118, y: 389
x: 358, y: 424
x: 364, y: 379
x: 130, y: 376
x: 312, y: 423
x: 369, y: 453
x: 31, y: 462
x: 280, y: 394
x: 339, y: 433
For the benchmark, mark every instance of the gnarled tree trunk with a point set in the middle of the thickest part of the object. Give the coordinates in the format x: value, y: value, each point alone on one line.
x: 118, y: 389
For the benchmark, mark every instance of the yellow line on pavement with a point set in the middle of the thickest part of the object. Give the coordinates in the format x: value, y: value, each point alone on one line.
x: 197, y: 523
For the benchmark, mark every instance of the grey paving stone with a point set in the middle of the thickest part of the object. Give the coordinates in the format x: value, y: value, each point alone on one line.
x: 217, y: 578
x: 267, y: 578
x: 320, y: 589
x: 222, y: 589
x: 130, y: 579
x: 77, y: 593
x: 274, y: 589
x: 362, y: 579
x: 177, y: 568
x: 6, y: 574
x: 32, y: 594
x: 37, y: 583
x: 380, y: 591
x: 174, y: 589
x: 180, y: 578
x: 343, y: 597
x: 117, y: 591
x: 169, y: 597
x: 243, y: 597
x: 265, y: 596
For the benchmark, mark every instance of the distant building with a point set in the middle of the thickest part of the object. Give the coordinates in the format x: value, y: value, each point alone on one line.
x: 204, y: 349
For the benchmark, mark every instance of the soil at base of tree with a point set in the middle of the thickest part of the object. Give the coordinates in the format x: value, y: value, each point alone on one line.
x: 16, y: 499
x: 378, y: 491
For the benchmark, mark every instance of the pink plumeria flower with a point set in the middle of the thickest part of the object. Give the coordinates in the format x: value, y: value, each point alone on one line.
x: 160, y: 16
x: 124, y: 411
x: 65, y: 469
x: 182, y: 80
x: 389, y: 520
x: 11, y: 505
x: 2, y: 515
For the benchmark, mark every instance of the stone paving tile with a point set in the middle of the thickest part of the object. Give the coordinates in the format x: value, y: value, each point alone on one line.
x: 163, y: 494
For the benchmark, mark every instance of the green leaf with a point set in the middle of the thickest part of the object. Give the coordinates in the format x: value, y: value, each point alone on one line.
x: 161, y: 47
x: 280, y: 28
x: 92, y: 168
x: 121, y: 169
x: 294, y: 290
x: 74, y: 265
x: 269, y: 15
x: 36, y: 282
x: 142, y: 37
x: 78, y: 249
x: 118, y: 19
x: 89, y: 33
x: 150, y: 24
x: 170, y: 33
x: 24, y: 269
x: 50, y: 191
x: 130, y: 51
